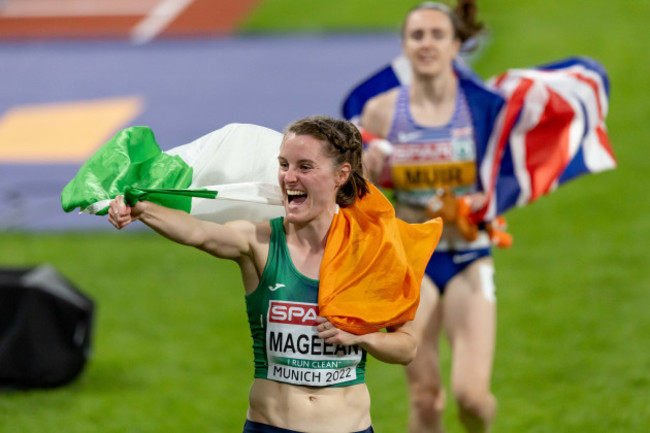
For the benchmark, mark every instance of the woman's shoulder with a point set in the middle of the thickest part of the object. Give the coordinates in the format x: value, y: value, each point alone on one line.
x: 255, y: 232
x: 378, y: 112
x: 387, y: 98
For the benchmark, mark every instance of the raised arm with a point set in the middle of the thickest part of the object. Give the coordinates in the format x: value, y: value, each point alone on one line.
x: 227, y: 241
x: 397, y: 346
x: 376, y: 119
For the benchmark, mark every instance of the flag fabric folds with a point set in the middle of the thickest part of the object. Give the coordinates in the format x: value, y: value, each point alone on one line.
x: 373, y: 263
x: 132, y: 157
x: 551, y: 129
x: 369, y: 254
x: 233, y: 160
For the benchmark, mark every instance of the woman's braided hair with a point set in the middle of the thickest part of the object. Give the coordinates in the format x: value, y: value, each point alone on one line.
x: 343, y: 144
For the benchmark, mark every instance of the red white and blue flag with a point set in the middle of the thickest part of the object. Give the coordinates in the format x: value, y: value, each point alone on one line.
x: 550, y: 130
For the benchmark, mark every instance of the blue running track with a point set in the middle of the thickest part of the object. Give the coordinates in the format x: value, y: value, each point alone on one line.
x: 189, y: 88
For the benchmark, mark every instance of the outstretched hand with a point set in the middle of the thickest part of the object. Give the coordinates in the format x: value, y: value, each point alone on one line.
x: 121, y: 214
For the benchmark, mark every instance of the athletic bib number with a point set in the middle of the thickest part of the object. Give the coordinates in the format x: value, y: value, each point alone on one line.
x: 295, y: 353
x: 430, y: 176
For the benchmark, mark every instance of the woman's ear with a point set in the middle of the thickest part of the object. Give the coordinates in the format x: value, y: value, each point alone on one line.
x: 457, y: 46
x: 343, y: 174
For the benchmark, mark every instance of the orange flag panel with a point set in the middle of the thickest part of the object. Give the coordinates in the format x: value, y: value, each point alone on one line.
x: 373, y: 266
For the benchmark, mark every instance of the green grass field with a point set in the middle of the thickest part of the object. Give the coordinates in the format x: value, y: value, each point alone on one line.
x: 172, y: 349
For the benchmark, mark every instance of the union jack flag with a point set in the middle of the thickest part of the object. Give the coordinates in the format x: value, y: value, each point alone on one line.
x: 550, y: 130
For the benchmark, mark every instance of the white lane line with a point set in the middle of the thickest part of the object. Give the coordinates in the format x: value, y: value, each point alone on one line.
x: 164, y: 13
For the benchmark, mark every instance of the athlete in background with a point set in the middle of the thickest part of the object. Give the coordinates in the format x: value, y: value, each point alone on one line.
x: 436, y: 127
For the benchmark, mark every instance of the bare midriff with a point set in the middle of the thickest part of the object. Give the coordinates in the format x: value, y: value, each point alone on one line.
x: 304, y: 408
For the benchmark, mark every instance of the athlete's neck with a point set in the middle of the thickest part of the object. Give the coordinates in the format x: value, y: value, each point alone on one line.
x: 432, y: 100
x: 437, y: 89
x: 310, y: 236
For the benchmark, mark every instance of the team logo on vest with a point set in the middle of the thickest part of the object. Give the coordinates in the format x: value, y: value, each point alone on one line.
x: 276, y: 287
x: 405, y: 137
x: 293, y: 313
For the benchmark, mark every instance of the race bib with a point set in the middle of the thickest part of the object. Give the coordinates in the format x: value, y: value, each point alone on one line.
x: 427, y: 176
x: 295, y: 353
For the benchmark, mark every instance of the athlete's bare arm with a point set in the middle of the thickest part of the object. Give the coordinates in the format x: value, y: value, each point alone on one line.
x: 376, y: 118
x: 396, y: 346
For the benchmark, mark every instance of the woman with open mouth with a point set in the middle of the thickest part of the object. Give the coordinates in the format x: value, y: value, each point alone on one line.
x: 309, y: 374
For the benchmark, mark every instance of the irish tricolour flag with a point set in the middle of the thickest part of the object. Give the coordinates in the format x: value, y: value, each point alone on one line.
x: 230, y: 173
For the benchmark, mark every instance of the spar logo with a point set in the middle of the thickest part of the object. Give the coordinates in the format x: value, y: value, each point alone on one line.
x: 294, y: 313
x: 434, y: 151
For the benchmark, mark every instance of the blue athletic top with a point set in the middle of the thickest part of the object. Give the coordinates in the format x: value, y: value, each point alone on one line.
x: 425, y: 159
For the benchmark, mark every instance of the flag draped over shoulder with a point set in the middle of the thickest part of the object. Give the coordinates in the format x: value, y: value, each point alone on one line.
x: 551, y: 129
x: 232, y: 162
x: 373, y: 265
